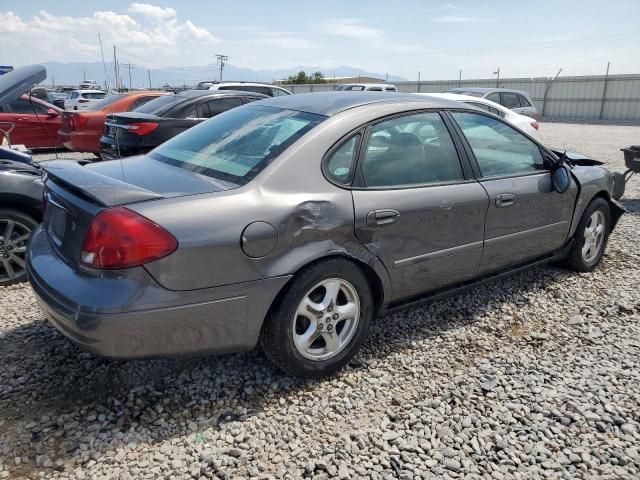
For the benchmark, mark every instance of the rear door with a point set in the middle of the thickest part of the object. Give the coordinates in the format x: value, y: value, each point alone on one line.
x: 219, y: 105
x: 526, y: 217
x: 417, y: 205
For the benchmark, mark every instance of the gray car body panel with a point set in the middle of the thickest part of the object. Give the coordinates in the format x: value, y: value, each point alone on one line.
x: 292, y: 215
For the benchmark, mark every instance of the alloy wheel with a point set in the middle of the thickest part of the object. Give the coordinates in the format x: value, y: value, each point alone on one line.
x: 593, y: 236
x: 13, y: 249
x: 326, y: 319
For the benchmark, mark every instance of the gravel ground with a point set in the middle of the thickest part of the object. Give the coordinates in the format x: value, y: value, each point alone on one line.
x: 536, y: 376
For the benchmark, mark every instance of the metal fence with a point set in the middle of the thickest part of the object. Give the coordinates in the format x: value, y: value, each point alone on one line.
x: 596, y: 97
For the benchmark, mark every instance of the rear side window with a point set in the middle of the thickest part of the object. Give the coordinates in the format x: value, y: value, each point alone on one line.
x: 375, y: 89
x: 339, y: 168
x: 139, y: 102
x: 510, y: 100
x: 391, y: 89
x: 410, y: 150
x: 257, y: 89
x: 498, y: 148
x: 523, y: 101
x: 161, y: 104
x: 494, y: 97
x: 277, y: 92
x: 223, y: 104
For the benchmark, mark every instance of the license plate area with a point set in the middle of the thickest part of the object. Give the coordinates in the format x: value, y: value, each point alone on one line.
x: 56, y: 222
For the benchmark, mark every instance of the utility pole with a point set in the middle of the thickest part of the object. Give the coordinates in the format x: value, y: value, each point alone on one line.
x: 604, y: 91
x: 115, y: 68
x: 497, y: 72
x: 130, y: 66
x: 104, y: 65
x: 222, y: 61
x: 149, y: 75
x: 418, y: 82
x: 459, y: 78
x: 84, y: 72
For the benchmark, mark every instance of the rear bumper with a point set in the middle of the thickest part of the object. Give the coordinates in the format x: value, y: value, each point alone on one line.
x: 127, y: 315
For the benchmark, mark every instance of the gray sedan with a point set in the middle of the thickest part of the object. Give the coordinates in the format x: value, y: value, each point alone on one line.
x: 294, y: 221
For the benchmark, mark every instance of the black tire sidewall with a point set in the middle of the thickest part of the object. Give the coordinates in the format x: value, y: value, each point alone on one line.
x: 280, y: 322
x: 577, y: 260
x: 12, y: 214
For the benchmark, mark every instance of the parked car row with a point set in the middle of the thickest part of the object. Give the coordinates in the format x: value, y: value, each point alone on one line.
x: 289, y: 221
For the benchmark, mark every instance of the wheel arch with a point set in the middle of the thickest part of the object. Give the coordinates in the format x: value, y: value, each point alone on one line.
x: 25, y: 205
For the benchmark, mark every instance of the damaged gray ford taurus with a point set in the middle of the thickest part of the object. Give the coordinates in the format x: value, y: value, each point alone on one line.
x: 294, y: 221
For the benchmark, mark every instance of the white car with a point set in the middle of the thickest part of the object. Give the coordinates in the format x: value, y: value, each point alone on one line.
x: 527, y: 124
x: 366, y: 87
x: 264, y: 88
x: 81, y: 99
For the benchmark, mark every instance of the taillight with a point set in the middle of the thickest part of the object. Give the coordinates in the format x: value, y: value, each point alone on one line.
x: 535, y: 125
x: 121, y: 238
x: 142, y: 128
x: 83, y: 101
x: 79, y: 121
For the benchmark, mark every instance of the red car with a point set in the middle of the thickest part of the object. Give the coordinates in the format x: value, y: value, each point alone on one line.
x: 34, y: 129
x: 81, y: 131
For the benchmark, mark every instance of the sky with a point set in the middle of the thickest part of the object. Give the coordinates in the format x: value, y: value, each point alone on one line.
x: 401, y: 37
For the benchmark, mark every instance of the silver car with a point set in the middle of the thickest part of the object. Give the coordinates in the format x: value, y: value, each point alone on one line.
x: 294, y: 221
x: 516, y: 100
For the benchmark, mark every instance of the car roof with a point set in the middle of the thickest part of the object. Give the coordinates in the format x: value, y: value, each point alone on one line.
x: 366, y: 84
x: 217, y: 93
x: 486, y: 90
x: 256, y: 84
x: 331, y: 103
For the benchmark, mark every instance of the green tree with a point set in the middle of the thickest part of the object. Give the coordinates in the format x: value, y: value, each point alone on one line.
x: 302, y: 78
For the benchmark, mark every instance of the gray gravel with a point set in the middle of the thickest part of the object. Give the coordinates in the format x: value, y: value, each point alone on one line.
x: 536, y: 376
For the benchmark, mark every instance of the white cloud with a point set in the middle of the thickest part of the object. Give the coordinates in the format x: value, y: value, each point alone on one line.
x: 458, y: 19
x: 352, y: 28
x: 145, y: 30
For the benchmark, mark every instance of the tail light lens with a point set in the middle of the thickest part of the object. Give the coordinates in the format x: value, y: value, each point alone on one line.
x: 121, y: 238
x: 535, y: 125
x: 142, y: 128
x: 83, y: 101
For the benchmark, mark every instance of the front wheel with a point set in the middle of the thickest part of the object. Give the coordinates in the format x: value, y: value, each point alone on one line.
x: 321, y: 320
x: 590, y: 239
x: 15, y: 228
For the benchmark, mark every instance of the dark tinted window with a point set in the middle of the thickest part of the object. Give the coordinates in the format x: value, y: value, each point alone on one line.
x: 94, y: 95
x: 25, y: 107
x: 340, y: 166
x: 355, y: 88
x: 375, y: 89
x: 411, y: 150
x: 523, y: 101
x: 498, y: 148
x: 159, y: 105
x: 236, y: 145
x: 223, y: 104
x: 391, y: 89
x: 509, y: 100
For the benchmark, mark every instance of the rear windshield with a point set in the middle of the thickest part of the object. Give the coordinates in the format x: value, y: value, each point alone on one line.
x: 236, y: 145
x: 160, y: 105
x: 94, y: 95
x: 105, y: 102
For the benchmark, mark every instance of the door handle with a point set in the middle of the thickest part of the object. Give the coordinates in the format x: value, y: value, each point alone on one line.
x: 506, y: 200
x: 380, y: 218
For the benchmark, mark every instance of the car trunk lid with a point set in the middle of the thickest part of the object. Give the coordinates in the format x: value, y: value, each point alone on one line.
x: 76, y: 193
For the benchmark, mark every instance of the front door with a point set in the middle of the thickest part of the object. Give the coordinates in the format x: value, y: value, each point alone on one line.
x: 526, y: 217
x: 415, y: 208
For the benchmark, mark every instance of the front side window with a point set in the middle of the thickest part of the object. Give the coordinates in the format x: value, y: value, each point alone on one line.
x: 24, y: 107
x: 339, y: 168
x: 238, y: 144
x: 278, y: 92
x: 494, y: 97
x: 411, y: 150
x: 498, y: 148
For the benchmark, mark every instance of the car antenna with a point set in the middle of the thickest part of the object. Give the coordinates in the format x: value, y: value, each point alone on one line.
x: 174, y: 90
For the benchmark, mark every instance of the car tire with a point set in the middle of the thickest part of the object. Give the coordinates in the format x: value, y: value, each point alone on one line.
x: 320, y: 341
x: 13, y: 252
x: 590, y: 239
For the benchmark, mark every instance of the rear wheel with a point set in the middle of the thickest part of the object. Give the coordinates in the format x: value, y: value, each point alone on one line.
x: 591, y: 236
x: 320, y: 322
x: 15, y: 228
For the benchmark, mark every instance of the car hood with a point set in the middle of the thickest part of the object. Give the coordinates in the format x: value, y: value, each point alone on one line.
x: 14, y: 84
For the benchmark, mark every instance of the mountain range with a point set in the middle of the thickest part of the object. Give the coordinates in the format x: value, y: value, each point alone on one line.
x: 74, y: 73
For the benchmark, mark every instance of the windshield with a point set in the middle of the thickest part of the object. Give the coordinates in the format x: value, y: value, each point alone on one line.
x: 160, y: 104
x: 105, y: 102
x: 236, y: 145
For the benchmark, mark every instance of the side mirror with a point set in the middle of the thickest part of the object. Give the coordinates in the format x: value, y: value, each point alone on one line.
x: 52, y: 113
x: 561, y: 179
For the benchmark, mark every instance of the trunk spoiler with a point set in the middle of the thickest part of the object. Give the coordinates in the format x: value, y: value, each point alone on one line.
x: 102, y: 189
